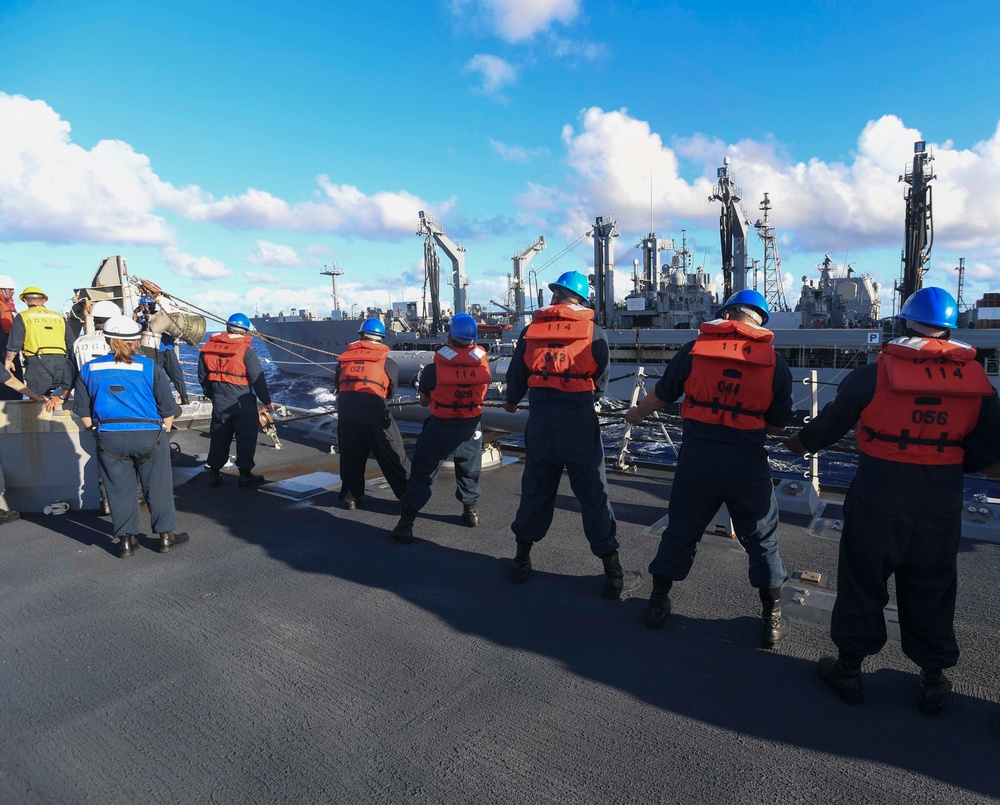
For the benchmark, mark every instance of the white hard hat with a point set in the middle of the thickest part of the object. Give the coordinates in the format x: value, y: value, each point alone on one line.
x: 7, y: 282
x: 105, y: 309
x: 122, y: 327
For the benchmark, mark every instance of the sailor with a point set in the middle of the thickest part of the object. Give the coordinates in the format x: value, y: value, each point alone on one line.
x: 231, y: 377
x: 40, y: 334
x: 7, y: 313
x: 454, y: 387
x: 737, y: 390
x: 923, y: 413
x: 87, y: 346
x: 166, y: 359
x: 365, y: 378
x: 126, y: 402
x: 561, y: 363
x: 18, y: 388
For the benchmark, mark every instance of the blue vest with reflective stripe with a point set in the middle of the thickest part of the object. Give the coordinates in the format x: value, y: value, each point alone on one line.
x: 121, y: 394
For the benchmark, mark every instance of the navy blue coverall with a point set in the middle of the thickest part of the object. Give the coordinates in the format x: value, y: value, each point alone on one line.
x: 718, y: 464
x: 900, y: 519
x: 365, y: 427
x: 166, y: 359
x: 128, y: 449
x: 460, y: 438
x: 234, y: 413
x: 563, y: 432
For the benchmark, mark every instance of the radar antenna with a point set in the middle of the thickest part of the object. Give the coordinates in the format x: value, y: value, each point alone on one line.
x: 774, y: 291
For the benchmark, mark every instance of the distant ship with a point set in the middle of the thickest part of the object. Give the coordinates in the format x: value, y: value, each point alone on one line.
x: 835, y: 325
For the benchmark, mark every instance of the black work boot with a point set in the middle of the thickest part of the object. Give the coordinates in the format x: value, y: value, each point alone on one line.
x: 403, y: 532
x: 214, y: 478
x: 520, y: 568
x: 470, y: 516
x: 247, y: 478
x: 843, y: 674
x: 776, y: 626
x: 126, y: 546
x: 659, y: 601
x: 616, y: 580
x: 934, y: 691
x: 8, y: 516
x: 171, y: 540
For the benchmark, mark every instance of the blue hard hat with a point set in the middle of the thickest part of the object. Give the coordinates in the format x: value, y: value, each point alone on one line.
x: 748, y: 298
x: 575, y: 282
x: 372, y: 327
x: 464, y: 326
x: 238, y: 320
x: 933, y: 306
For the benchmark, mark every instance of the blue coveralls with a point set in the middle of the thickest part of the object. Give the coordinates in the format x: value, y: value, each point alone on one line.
x: 127, y: 403
x: 718, y: 464
x: 900, y: 519
x: 563, y: 432
x: 365, y: 427
x: 166, y: 358
x: 234, y: 413
x: 42, y: 373
x: 462, y: 439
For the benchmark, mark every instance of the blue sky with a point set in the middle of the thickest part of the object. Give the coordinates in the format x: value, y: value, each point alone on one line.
x: 230, y: 151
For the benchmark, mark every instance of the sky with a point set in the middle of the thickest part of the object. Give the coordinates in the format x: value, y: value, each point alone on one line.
x: 233, y: 151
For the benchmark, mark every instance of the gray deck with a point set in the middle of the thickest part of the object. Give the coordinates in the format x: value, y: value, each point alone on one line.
x: 294, y: 652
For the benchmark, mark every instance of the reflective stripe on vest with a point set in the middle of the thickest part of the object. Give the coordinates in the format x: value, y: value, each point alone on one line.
x: 44, y: 332
x: 558, y: 348
x: 732, y: 375
x: 928, y: 395
x: 121, y: 394
x: 223, y: 356
x: 362, y: 368
x: 462, y: 377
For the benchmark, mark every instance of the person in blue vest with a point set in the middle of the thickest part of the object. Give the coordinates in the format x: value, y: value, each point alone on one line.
x: 166, y: 359
x: 365, y: 378
x: 736, y: 390
x: 924, y: 414
x: 232, y: 378
x: 561, y: 363
x: 454, y: 387
x: 125, y: 400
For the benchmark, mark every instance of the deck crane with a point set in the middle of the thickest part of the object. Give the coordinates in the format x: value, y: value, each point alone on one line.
x: 520, y: 317
x: 604, y: 269
x: 733, y: 228
x: 433, y: 234
x: 919, y: 223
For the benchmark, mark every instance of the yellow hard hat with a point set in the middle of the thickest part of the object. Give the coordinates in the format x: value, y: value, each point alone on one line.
x: 33, y: 290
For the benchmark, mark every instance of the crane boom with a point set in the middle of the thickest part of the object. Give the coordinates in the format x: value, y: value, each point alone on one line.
x: 733, y: 228
x: 520, y: 261
x: 455, y: 252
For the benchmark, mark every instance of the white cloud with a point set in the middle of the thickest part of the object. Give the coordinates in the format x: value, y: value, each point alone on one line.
x: 272, y: 255
x: 263, y: 278
x: 55, y: 191
x: 518, y: 20
x: 516, y: 153
x: 200, y: 268
x: 576, y: 49
x: 494, y: 73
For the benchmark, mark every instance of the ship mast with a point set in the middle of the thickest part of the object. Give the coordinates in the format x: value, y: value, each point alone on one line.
x: 733, y: 225
x: 919, y: 236
x: 774, y: 291
x: 959, y: 301
x: 604, y: 269
x: 334, y: 273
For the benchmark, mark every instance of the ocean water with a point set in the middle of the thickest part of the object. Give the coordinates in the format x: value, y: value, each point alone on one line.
x: 836, y: 467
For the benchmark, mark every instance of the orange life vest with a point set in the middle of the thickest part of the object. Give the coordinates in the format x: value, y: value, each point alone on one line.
x: 223, y: 356
x: 928, y: 394
x: 7, y: 311
x: 732, y: 375
x: 559, y: 348
x: 362, y: 368
x: 462, y: 377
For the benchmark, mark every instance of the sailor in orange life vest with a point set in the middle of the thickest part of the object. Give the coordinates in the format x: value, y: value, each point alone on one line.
x: 454, y: 387
x: 365, y: 378
x: 924, y: 413
x: 737, y: 390
x: 561, y: 363
x: 40, y: 334
x: 231, y: 377
x: 126, y: 401
x: 7, y: 313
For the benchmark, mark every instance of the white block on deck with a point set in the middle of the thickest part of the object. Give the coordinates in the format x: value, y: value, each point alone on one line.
x: 797, y: 497
x: 981, y: 521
